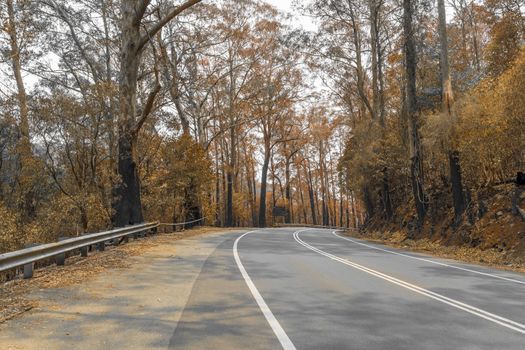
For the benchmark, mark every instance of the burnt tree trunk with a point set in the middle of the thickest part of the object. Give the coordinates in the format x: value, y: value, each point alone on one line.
x: 127, y: 203
x: 288, y: 193
x: 374, y: 7
x: 387, y: 201
x: 341, y: 211
x: 192, y: 208
x: 229, y: 199
x: 229, y: 179
x: 324, y: 189
x: 233, y: 135
x: 448, y: 110
x: 458, y: 196
x: 354, y: 213
x: 311, y: 197
x: 218, y: 217
x: 251, y: 197
x: 369, y: 204
x: 347, y: 212
x: 301, y: 196
x: 254, y: 199
x: 264, y: 176
x: 416, y: 161
x: 128, y: 207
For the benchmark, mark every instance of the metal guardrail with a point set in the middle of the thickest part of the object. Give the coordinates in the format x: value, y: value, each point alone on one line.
x: 40, y: 252
x: 181, y: 223
x: 28, y: 256
x: 314, y: 226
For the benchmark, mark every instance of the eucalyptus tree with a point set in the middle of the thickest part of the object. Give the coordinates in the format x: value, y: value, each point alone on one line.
x: 137, y: 28
x: 276, y: 88
x: 413, y: 115
x: 240, y: 55
x: 20, y: 36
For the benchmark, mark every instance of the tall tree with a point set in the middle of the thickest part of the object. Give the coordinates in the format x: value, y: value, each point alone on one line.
x: 22, y: 27
x: 128, y: 206
x: 412, y: 111
x: 450, y: 115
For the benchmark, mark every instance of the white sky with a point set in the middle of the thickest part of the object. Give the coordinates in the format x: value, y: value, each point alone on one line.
x: 282, y: 4
x: 286, y: 5
x: 307, y: 22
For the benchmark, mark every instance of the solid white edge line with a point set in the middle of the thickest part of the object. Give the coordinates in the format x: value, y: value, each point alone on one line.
x: 285, y: 341
x: 518, y: 327
x: 430, y: 261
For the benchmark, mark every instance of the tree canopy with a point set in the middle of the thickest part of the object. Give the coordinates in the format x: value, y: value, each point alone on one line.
x: 118, y: 112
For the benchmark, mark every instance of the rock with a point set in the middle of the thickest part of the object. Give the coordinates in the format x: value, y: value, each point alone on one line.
x: 499, y: 214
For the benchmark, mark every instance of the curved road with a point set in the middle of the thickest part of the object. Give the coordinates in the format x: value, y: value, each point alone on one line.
x: 313, y: 289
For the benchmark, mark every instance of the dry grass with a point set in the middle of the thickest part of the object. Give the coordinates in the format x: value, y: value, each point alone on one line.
x: 14, y: 295
x: 491, y: 257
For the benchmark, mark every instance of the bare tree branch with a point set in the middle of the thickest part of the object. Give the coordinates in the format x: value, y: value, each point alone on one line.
x: 163, y: 21
x: 147, y: 108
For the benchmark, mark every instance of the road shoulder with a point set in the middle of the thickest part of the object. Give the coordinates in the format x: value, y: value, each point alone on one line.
x: 141, y: 301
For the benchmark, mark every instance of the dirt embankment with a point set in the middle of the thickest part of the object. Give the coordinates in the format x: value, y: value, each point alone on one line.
x: 490, y: 233
x: 14, y: 299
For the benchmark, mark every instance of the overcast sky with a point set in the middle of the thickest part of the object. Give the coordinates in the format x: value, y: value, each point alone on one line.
x: 283, y: 4
x: 286, y: 5
x: 307, y: 22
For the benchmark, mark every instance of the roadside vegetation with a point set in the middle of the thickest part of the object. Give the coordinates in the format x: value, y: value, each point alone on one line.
x: 442, y: 167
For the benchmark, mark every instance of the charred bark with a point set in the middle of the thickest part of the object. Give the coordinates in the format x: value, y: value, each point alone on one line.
x: 458, y: 196
x: 385, y: 194
x: 264, y: 176
x: 369, y: 203
x: 128, y: 208
x: 416, y: 161
x: 288, y: 193
x: 311, y: 197
x: 448, y: 110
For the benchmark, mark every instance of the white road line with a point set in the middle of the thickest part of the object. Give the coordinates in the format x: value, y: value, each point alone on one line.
x: 276, y: 326
x: 431, y: 261
x: 502, y: 321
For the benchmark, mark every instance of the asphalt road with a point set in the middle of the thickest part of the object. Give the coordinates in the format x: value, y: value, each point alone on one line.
x: 311, y: 289
x: 291, y: 288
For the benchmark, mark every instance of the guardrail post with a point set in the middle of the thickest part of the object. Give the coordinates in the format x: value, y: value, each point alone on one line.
x: 60, y: 259
x: 84, y: 251
x: 101, y: 246
x: 28, y: 268
x: 124, y: 239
